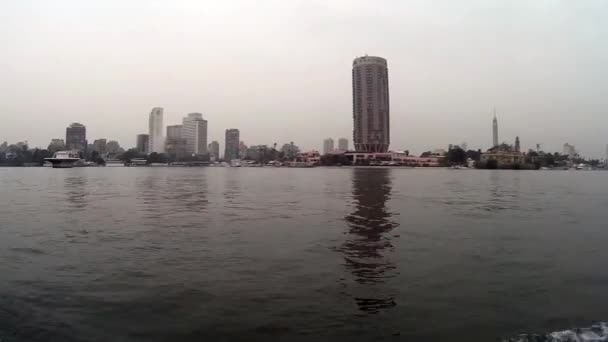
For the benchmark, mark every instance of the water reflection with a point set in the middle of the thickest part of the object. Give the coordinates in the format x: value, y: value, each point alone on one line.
x: 162, y: 195
x: 75, y: 190
x: 502, y: 194
x: 368, y: 240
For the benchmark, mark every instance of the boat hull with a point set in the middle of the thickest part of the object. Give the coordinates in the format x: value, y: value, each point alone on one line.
x: 62, y: 163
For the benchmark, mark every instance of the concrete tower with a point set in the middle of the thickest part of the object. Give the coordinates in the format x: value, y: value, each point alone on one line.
x: 195, y: 133
x: 371, y: 112
x: 343, y: 144
x: 156, y: 141
x: 495, y: 130
x: 76, y: 137
x: 231, y: 146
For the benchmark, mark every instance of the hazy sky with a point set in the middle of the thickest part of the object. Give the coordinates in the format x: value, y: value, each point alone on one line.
x: 281, y: 70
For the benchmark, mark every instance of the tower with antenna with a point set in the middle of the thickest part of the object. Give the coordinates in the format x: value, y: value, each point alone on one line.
x: 495, y: 130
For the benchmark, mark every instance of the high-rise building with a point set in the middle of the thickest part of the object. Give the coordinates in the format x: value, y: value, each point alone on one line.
x: 517, y: 145
x: 231, y: 147
x: 76, y: 137
x: 99, y: 145
x: 113, y: 147
x: 242, y: 150
x: 290, y: 150
x: 142, y: 143
x: 570, y: 151
x: 214, y: 150
x: 174, y: 131
x: 56, y: 145
x: 495, y: 130
x: 371, y: 112
x: 195, y: 132
x: 156, y: 141
x: 175, y: 144
x: 343, y: 144
x: 328, y: 146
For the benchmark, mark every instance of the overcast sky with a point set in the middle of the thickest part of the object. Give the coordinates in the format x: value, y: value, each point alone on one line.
x: 281, y: 70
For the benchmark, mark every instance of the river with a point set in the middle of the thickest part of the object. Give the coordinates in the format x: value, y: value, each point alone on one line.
x: 243, y: 254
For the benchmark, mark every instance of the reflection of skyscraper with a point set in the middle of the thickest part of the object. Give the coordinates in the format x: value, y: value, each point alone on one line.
x: 75, y: 190
x: 367, y: 242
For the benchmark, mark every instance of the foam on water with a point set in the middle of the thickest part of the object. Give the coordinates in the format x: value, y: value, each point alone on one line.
x: 596, y: 333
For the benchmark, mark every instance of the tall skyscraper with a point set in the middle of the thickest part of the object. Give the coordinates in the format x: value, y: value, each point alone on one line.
x: 76, y: 137
x: 495, y: 130
x: 195, y: 133
x: 371, y: 112
x: 113, y: 147
x: 156, y: 141
x: 328, y: 145
x: 242, y: 150
x: 142, y: 143
x: 343, y: 144
x: 174, y: 131
x: 55, y: 145
x: 517, y: 145
x: 231, y: 150
x: 99, y: 146
x: 214, y: 150
x: 175, y: 144
x: 570, y: 151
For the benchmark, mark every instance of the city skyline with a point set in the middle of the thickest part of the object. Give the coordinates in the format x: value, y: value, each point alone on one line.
x: 450, y: 65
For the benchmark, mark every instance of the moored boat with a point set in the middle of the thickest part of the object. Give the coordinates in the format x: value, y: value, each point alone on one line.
x: 64, y: 159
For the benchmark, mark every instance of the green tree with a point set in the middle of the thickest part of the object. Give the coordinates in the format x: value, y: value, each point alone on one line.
x: 456, y: 156
x: 131, y: 154
x: 474, y: 155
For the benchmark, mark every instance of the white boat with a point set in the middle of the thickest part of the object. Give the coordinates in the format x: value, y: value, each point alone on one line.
x: 584, y: 167
x: 64, y: 159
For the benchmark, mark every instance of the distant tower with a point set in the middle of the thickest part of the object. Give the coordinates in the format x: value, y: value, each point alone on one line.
x: 495, y: 130
x: 195, y: 133
x: 76, y: 137
x: 517, y: 146
x: 156, y: 141
x: 142, y: 143
x: 328, y: 146
x: 231, y: 146
x: 343, y: 144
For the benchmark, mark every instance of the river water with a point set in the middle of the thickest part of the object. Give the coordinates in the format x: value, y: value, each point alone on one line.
x: 243, y: 254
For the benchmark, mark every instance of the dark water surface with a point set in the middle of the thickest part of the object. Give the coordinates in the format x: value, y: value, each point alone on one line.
x: 220, y: 254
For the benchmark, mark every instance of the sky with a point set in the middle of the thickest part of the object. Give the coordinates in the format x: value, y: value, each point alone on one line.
x: 280, y: 70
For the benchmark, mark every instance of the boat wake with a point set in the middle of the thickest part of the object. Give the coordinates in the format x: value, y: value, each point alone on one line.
x: 596, y: 333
